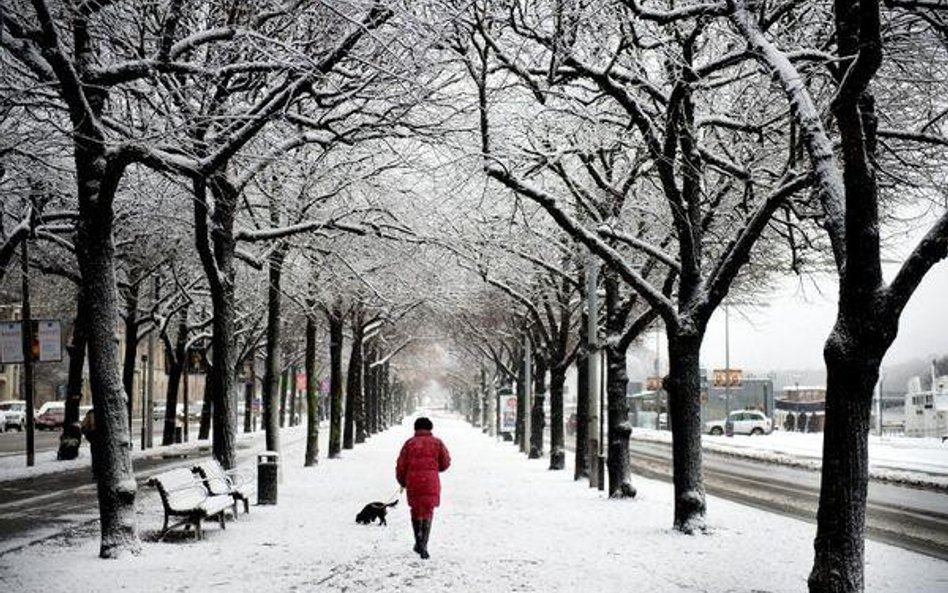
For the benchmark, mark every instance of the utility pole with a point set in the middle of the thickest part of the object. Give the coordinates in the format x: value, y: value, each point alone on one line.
x: 727, y: 362
x: 26, y: 318
x: 879, y: 386
x: 527, y: 387
x: 592, y: 359
x: 601, y: 454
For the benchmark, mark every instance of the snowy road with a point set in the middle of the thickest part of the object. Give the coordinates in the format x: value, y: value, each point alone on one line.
x: 908, y: 517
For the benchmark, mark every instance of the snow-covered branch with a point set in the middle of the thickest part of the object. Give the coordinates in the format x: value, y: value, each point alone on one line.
x: 588, y: 238
x: 826, y: 169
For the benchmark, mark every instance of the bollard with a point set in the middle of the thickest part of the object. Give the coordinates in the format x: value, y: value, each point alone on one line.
x: 268, y: 464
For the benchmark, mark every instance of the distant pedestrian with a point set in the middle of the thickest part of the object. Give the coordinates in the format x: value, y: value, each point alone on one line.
x: 90, y: 430
x: 88, y: 427
x: 421, y: 459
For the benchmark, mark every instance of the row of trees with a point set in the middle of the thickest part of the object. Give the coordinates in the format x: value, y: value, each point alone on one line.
x: 681, y: 143
x: 371, y: 159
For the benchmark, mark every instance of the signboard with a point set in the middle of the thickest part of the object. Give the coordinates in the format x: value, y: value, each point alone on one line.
x: 48, y: 334
x: 507, y: 404
x: 197, y: 361
x: 46, y: 344
x: 11, y: 342
x: 727, y: 377
x: 653, y: 383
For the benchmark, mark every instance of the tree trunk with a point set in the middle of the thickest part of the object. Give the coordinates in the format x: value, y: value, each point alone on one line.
x: 272, y: 414
x: 224, y: 409
x: 71, y: 438
x: 581, y: 467
x: 282, y: 388
x: 619, y: 484
x: 291, y: 383
x: 537, y: 417
x: 221, y: 278
x: 388, y: 401
x: 312, y: 409
x: 176, y: 362
x: 130, y: 356
x: 204, y: 423
x: 355, y: 404
x: 112, y: 452
x: 683, y: 385
x: 852, y: 353
x: 335, y: 381
x: 557, y: 438
x: 249, y: 393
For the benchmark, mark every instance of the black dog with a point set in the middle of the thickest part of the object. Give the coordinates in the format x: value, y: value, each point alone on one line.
x: 373, y: 511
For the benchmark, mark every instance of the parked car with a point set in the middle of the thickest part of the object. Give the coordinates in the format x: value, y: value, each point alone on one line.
x: 752, y: 422
x: 50, y: 416
x: 13, y: 415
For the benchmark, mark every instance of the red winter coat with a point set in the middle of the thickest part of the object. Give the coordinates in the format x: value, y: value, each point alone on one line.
x: 422, y: 457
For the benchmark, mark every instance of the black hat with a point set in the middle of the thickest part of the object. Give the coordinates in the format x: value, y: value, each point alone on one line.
x: 423, y: 424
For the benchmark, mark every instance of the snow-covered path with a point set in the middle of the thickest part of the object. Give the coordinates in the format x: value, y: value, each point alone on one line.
x: 506, y: 524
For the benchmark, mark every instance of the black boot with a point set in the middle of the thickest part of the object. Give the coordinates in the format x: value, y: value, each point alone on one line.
x: 425, y: 532
x: 416, y: 527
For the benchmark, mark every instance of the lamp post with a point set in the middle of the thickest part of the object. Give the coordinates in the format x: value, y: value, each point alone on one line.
x: 527, y: 386
x: 727, y: 362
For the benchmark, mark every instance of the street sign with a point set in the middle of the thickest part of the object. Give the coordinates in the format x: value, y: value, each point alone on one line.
x: 11, y: 342
x: 653, y: 383
x: 46, y: 344
x: 49, y: 334
x: 197, y: 361
x: 727, y: 377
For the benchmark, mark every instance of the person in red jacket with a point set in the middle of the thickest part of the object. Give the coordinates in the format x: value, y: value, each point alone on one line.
x: 422, y: 458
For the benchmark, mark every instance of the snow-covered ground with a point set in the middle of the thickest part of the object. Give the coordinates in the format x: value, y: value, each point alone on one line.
x: 506, y: 524
x: 918, y: 461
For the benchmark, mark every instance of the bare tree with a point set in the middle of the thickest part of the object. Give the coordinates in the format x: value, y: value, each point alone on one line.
x: 869, y: 308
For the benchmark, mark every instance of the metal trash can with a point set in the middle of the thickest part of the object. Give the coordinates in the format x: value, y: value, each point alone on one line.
x: 268, y: 466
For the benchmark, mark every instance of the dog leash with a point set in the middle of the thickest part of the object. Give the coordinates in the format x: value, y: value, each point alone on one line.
x: 397, y: 494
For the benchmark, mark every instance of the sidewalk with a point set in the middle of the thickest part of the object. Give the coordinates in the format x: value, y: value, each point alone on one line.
x: 506, y: 524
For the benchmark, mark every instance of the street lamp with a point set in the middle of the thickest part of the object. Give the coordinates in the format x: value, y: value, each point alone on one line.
x: 727, y: 362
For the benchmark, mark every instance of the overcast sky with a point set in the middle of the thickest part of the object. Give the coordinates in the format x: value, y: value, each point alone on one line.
x: 789, y: 333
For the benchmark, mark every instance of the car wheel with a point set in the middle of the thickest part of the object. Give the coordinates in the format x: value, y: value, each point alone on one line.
x: 756, y: 432
x: 716, y: 431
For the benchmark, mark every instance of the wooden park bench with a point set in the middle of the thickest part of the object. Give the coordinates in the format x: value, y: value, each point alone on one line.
x: 223, y: 482
x: 186, y: 498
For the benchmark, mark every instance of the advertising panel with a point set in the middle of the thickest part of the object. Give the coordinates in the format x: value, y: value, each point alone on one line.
x: 507, y: 404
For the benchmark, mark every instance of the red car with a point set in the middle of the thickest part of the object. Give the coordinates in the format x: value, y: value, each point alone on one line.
x: 50, y: 416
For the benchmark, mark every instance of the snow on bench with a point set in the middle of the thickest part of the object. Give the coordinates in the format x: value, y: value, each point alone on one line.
x: 231, y: 483
x: 185, y: 496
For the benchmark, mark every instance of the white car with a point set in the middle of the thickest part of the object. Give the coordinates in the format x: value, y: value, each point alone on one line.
x: 13, y: 415
x: 752, y: 422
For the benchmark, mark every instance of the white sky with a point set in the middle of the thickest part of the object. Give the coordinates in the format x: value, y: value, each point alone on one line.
x: 789, y: 333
